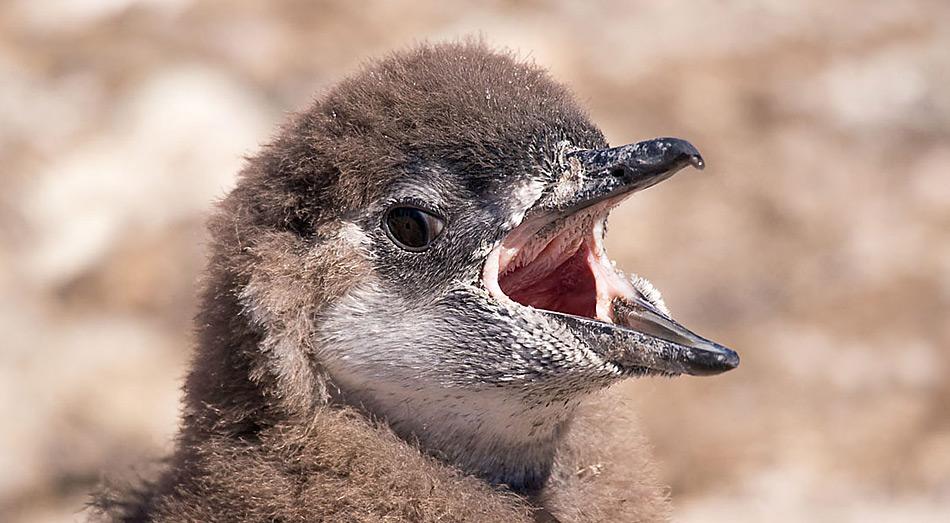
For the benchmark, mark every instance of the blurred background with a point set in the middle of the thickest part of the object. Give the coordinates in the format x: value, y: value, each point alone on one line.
x: 817, y: 241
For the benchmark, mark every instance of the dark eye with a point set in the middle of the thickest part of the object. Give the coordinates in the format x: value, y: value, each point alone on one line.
x: 412, y: 228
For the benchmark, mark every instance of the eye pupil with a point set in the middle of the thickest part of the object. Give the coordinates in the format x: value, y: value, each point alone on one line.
x: 412, y: 228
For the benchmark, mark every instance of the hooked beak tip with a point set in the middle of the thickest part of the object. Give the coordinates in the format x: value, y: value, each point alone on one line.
x: 675, y: 149
x: 697, y: 162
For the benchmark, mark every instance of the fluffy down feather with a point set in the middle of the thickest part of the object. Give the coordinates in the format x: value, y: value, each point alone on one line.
x: 259, y: 440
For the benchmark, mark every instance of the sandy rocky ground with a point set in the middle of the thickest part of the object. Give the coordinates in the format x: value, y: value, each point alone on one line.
x: 817, y: 242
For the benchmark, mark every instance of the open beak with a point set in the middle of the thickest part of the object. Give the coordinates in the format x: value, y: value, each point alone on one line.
x: 555, y: 261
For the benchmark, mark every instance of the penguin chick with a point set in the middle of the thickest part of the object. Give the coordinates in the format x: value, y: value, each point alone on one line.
x: 409, y: 308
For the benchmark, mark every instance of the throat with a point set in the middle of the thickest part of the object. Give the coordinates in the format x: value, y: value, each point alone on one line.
x: 519, y: 461
x: 502, y: 440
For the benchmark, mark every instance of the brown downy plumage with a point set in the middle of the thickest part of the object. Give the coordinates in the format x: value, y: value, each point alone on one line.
x: 347, y: 370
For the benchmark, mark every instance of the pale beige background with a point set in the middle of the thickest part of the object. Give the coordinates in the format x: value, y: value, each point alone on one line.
x: 817, y: 242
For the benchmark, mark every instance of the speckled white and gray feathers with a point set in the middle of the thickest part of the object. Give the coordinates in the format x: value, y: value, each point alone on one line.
x: 488, y: 386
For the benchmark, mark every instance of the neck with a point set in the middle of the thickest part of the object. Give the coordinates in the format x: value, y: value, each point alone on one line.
x: 490, y: 433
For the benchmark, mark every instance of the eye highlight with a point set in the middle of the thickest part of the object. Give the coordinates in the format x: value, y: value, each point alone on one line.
x: 412, y: 228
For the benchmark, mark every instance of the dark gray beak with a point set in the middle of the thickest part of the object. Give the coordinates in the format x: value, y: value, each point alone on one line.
x: 605, y: 173
x: 641, y: 338
x: 644, y: 340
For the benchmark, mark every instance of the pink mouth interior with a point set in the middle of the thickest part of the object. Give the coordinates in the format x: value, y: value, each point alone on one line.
x: 559, y: 266
x: 553, y: 283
